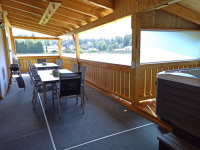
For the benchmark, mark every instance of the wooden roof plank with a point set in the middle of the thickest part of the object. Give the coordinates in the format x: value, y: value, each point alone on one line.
x: 81, y: 9
x: 33, y: 3
x: 103, y: 3
x: 183, y: 13
x: 20, y: 12
x: 71, y: 14
x: 34, y: 22
x: 145, y: 5
x: 34, y: 30
x: 16, y: 20
x: 21, y: 7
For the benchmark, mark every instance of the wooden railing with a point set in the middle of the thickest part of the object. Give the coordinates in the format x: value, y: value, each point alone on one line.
x: 112, y: 78
x: 23, y: 61
x: 148, y: 74
x: 116, y: 79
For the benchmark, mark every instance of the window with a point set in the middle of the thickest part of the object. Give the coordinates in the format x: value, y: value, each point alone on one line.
x: 111, y: 43
x: 159, y: 46
x: 34, y: 46
x: 68, y: 47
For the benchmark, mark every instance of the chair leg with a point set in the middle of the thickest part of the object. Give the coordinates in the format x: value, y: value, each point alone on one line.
x: 53, y: 98
x: 85, y: 94
x: 36, y: 97
x: 33, y: 96
x: 59, y: 108
x: 82, y: 103
x: 82, y: 100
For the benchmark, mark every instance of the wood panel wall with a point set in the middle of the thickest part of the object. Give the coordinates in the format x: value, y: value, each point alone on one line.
x: 164, y: 20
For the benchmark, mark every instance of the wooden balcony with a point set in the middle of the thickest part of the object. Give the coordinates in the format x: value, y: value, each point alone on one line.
x: 115, y: 81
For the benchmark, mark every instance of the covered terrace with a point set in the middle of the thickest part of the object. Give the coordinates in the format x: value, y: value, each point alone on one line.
x: 129, y: 85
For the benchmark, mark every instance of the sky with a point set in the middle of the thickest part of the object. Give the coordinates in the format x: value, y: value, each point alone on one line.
x: 117, y: 28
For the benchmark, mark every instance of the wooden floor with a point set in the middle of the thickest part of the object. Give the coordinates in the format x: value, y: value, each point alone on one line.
x: 148, y: 106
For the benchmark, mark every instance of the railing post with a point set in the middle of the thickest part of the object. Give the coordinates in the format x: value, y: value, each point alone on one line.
x: 135, y: 64
x: 60, y: 47
x: 76, y: 40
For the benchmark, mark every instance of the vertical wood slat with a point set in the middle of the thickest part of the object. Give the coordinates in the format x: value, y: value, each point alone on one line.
x: 122, y: 92
x: 23, y: 61
x: 154, y: 79
x: 127, y: 84
x: 141, y: 88
x: 148, y: 82
x: 118, y: 81
x: 156, y: 68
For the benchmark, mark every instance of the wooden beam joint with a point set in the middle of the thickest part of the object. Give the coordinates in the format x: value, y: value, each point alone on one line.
x: 50, y: 10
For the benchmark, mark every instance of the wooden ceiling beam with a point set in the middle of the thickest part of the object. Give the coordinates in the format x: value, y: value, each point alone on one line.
x: 19, y: 26
x: 33, y: 3
x: 81, y: 9
x: 66, y: 19
x: 30, y: 17
x: 21, y: 13
x: 34, y: 22
x: 21, y: 7
x: 30, y: 28
x: 103, y: 3
x: 50, y: 10
x: 183, y: 13
x: 99, y: 22
x: 148, y: 5
x: 26, y: 23
x: 6, y: 20
x: 73, y: 15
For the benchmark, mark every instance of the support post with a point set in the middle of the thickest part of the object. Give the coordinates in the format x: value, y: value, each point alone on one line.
x: 12, y: 41
x: 76, y: 40
x: 135, y: 64
x: 60, y: 47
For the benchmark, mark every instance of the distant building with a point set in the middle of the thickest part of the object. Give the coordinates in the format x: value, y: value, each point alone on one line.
x: 128, y: 48
x: 51, y: 48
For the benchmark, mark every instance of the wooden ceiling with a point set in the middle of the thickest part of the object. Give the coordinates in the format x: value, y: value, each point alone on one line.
x: 58, y: 17
x: 71, y: 14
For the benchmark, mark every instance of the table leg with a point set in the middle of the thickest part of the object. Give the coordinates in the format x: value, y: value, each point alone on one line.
x: 44, y: 96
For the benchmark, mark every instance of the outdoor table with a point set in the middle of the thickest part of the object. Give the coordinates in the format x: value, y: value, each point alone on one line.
x: 48, y: 77
x: 40, y: 66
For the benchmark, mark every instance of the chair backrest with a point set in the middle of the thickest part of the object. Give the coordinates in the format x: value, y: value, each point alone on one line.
x: 58, y: 61
x: 33, y: 73
x: 60, y: 64
x: 70, y: 84
x: 75, y: 68
x: 29, y: 64
x: 41, y: 60
x: 83, y: 71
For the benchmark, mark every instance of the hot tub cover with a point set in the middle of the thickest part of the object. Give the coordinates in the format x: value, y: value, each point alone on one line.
x: 189, y: 76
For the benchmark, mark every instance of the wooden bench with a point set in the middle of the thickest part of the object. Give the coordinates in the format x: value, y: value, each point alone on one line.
x: 171, y: 141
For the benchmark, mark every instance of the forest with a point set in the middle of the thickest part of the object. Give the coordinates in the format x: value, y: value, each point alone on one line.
x: 32, y: 46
